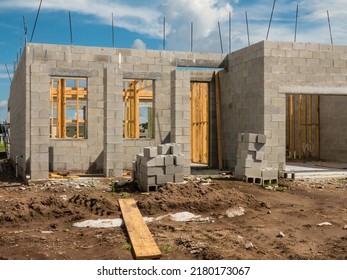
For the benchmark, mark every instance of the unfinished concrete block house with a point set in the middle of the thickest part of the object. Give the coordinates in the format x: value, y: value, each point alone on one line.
x: 90, y: 109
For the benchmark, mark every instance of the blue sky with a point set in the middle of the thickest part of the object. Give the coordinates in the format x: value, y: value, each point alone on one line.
x: 139, y: 24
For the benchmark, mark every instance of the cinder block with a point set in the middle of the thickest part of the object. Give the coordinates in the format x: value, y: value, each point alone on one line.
x: 151, y: 171
x: 176, y: 149
x: 261, y: 139
x: 269, y: 173
x: 245, y: 162
x: 179, y: 159
x: 250, y: 146
x: 150, y: 151
x: 148, y: 161
x: 240, y: 137
x: 169, y: 160
x: 159, y: 160
x: 172, y: 169
x: 245, y: 154
x: 249, y: 137
x: 248, y: 172
x: 139, y: 157
x: 149, y: 180
x: 259, y: 155
x: 164, y: 149
x: 134, y: 166
x: 163, y: 179
x: 179, y: 178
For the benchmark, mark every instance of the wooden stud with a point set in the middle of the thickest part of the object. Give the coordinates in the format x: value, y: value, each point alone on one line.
x: 291, y: 128
x: 218, y: 116
x: 299, y: 126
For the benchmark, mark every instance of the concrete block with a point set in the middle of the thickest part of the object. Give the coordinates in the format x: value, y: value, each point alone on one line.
x: 269, y: 173
x: 150, y: 151
x: 164, y: 149
x: 245, y: 154
x: 250, y: 146
x: 149, y: 161
x: 151, y: 171
x: 178, y: 178
x: 168, y: 160
x: 148, y: 180
x: 259, y: 155
x: 176, y: 149
x: 160, y: 160
x: 261, y: 139
x: 172, y: 169
x: 179, y: 159
x: 163, y: 179
x: 134, y: 165
x: 249, y: 137
x: 240, y: 137
x: 247, y: 171
x: 245, y: 162
x: 139, y: 157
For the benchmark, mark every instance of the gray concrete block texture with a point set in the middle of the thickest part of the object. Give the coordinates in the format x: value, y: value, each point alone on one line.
x: 251, y: 165
x: 104, y: 150
x: 253, y: 94
x: 158, y: 165
x: 252, y: 88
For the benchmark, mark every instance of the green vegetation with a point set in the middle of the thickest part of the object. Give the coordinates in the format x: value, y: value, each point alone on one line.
x: 126, y: 246
x: 167, y: 249
x: 2, y: 147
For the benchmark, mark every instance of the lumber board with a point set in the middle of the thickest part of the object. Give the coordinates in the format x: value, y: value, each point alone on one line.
x: 143, y: 243
x: 218, y: 120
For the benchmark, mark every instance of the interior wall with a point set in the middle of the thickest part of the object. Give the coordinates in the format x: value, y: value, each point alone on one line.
x: 333, y: 119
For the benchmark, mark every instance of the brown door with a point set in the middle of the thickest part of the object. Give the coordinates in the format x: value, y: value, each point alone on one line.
x: 199, y: 94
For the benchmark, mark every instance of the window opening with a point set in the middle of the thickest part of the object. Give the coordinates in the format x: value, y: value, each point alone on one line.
x: 138, y: 109
x: 68, y: 99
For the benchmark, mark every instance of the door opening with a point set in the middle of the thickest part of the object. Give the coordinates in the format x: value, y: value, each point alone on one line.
x: 199, y: 96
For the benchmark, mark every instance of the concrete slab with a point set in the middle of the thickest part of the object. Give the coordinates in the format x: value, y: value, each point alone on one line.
x: 315, y: 169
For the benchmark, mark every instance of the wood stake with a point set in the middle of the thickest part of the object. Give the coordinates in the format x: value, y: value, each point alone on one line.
x: 218, y: 116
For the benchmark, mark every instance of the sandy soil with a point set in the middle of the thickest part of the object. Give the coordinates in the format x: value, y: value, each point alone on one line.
x: 36, y: 221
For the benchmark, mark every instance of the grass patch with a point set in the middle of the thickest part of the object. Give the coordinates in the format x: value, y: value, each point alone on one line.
x: 167, y: 249
x: 126, y: 246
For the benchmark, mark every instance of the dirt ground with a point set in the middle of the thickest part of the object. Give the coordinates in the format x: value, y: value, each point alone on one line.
x: 37, y: 220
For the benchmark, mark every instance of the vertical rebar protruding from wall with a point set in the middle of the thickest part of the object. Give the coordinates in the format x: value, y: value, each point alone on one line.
x: 296, y: 21
x: 164, y: 35
x: 191, y: 36
x: 249, y: 42
x: 25, y: 31
x: 220, y: 38
x: 331, y: 36
x: 71, y: 41
x: 229, y: 32
x: 112, y: 31
x: 37, y: 16
x: 8, y: 73
x: 272, y: 12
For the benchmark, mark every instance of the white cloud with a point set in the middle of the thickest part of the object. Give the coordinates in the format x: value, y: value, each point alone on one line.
x: 146, y: 18
x: 139, y: 44
x: 3, y: 104
x: 204, y: 14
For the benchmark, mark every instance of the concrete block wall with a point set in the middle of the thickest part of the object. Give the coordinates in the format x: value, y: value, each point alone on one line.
x: 20, y: 130
x: 180, y: 113
x: 104, y: 69
x: 333, y: 122
x: 158, y: 165
x: 242, y: 98
x: 303, y: 68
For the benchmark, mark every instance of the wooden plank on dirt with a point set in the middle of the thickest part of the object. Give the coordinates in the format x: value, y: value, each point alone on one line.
x: 143, y: 244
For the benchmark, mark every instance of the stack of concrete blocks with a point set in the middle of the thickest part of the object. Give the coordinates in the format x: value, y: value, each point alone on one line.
x: 251, y: 166
x: 159, y: 165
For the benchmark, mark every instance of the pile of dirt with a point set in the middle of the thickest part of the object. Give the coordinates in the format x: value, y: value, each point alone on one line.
x: 194, y: 196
